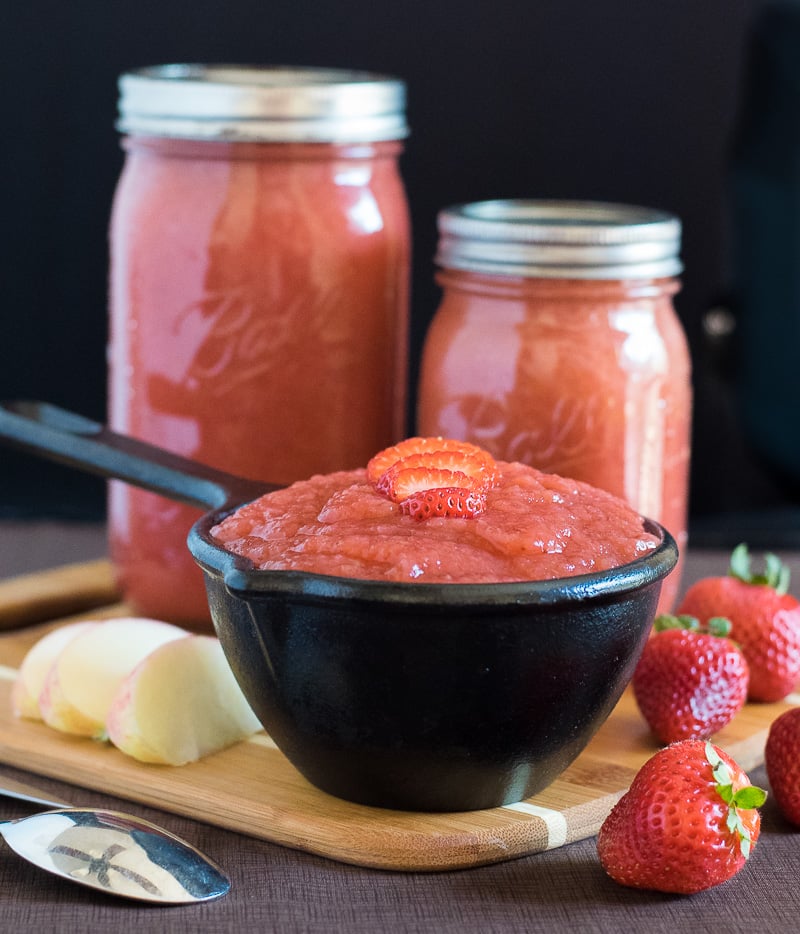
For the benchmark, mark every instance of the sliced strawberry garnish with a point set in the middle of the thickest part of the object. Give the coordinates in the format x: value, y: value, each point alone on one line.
x: 434, y: 477
x: 431, y: 470
x: 471, y: 453
x: 444, y: 502
x: 400, y: 482
x: 388, y: 457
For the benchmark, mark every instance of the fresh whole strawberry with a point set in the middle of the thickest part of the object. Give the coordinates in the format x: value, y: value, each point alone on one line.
x: 688, y: 822
x: 689, y: 684
x: 782, y: 759
x: 765, y: 620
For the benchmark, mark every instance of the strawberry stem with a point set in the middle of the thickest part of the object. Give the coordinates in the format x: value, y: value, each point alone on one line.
x: 719, y: 626
x: 745, y: 799
x: 669, y: 621
x: 775, y: 575
x: 715, y: 625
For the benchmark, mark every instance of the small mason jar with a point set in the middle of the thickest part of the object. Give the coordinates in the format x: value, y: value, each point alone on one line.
x: 258, y: 290
x: 557, y: 344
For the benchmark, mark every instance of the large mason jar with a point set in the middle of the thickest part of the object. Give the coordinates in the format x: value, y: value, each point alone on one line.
x: 259, y: 290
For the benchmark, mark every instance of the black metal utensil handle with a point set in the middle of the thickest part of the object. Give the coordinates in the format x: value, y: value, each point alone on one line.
x: 68, y: 438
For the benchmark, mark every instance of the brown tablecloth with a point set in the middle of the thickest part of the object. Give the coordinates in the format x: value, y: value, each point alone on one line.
x: 280, y: 890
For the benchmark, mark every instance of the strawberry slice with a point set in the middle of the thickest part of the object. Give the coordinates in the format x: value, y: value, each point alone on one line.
x: 444, y: 502
x: 431, y: 470
x: 434, y: 477
x: 400, y: 482
x: 470, y: 453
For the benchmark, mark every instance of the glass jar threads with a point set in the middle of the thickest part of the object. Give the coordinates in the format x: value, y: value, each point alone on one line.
x: 259, y: 290
x: 557, y: 344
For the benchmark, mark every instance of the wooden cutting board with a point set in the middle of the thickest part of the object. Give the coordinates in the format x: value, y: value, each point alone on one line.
x: 252, y: 788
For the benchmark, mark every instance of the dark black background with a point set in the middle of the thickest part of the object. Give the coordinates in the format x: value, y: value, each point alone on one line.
x: 621, y: 100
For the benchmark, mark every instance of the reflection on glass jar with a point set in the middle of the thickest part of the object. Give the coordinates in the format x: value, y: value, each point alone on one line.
x: 556, y: 344
x: 259, y: 291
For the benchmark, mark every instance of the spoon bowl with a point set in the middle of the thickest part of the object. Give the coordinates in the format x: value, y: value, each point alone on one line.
x: 115, y: 853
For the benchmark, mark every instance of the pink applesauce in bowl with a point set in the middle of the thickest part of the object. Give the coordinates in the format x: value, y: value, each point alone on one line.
x: 531, y: 526
x: 437, y: 633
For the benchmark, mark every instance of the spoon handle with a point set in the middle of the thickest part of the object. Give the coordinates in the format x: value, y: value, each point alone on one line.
x: 24, y: 792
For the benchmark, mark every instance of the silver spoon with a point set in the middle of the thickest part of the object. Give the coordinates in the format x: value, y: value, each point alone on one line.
x: 110, y: 851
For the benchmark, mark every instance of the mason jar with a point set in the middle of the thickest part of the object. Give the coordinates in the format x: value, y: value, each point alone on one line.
x: 557, y: 344
x: 258, y: 290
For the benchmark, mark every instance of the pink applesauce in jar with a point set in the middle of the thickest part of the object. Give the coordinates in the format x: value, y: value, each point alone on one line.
x: 557, y: 344
x: 533, y: 526
x: 259, y: 291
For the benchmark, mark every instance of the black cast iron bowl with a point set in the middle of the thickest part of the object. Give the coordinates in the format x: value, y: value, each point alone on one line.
x: 426, y: 697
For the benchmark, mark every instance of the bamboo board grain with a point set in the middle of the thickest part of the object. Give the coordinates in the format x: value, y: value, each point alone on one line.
x: 73, y: 588
x: 253, y: 789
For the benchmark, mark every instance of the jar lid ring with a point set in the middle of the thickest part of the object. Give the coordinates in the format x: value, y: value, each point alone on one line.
x: 564, y: 239
x: 262, y: 104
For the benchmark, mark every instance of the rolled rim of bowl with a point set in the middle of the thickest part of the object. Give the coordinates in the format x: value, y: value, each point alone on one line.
x: 243, y: 580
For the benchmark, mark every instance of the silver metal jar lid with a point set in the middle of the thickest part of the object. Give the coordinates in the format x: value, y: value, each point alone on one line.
x: 262, y: 104
x: 559, y: 239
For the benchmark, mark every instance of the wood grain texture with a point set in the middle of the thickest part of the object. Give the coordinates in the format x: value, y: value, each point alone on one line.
x: 253, y: 789
x: 44, y: 595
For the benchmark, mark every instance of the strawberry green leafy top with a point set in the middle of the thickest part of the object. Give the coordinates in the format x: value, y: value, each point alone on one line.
x: 751, y: 796
x: 775, y: 575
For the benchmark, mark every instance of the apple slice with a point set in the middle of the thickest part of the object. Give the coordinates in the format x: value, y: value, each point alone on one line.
x: 179, y: 704
x: 35, y: 666
x: 83, y: 679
